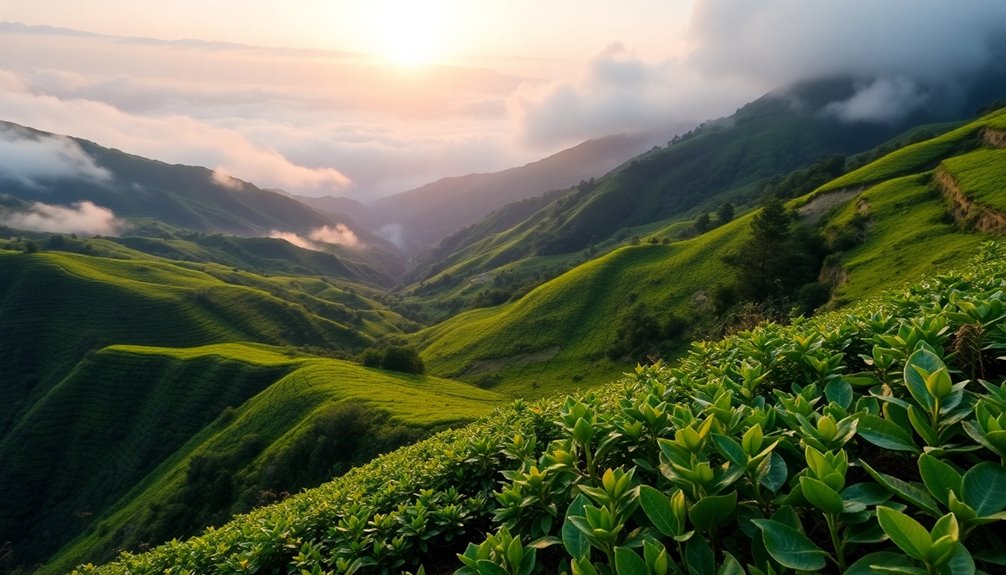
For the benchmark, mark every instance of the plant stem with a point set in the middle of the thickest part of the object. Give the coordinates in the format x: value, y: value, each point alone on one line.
x: 836, y: 541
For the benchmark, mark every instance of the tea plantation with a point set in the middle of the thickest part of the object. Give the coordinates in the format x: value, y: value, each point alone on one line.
x: 870, y: 440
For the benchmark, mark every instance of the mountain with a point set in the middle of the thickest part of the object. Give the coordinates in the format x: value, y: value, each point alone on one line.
x: 886, y: 221
x: 425, y: 215
x: 729, y: 159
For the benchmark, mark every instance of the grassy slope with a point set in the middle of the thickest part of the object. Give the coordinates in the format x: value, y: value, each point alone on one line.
x: 166, y: 405
x: 910, y: 233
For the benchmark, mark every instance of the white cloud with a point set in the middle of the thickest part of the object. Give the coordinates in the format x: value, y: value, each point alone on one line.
x: 340, y: 234
x: 80, y: 218
x: 883, y: 100
x: 30, y: 158
x: 225, y: 180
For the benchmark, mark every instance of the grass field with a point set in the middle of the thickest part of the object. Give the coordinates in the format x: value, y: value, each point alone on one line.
x: 113, y: 441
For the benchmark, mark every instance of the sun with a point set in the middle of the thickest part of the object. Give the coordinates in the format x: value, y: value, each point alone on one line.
x: 411, y: 32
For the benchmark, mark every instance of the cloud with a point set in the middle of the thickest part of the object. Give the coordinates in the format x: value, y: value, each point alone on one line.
x: 30, y: 158
x: 882, y: 100
x: 83, y: 218
x: 340, y: 234
x: 617, y: 92
x: 778, y: 42
x: 225, y: 180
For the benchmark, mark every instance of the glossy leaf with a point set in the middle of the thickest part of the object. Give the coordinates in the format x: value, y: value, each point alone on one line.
x: 790, y: 547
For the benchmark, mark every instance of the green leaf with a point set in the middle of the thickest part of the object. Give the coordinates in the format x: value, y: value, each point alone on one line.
x: 628, y: 563
x: 984, y: 488
x: 915, y: 495
x: 790, y: 547
x: 886, y: 434
x: 961, y: 563
x: 730, y: 566
x: 730, y: 449
x: 883, y: 558
x: 487, y: 567
x: 821, y: 496
x: 573, y: 539
x: 772, y: 472
x: 712, y: 510
x: 657, y: 507
x: 839, y: 391
x: 939, y: 477
x: 699, y: 557
x: 905, y: 532
x: 919, y: 365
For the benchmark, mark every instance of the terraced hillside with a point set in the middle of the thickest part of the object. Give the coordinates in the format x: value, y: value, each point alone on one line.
x: 898, y: 223
x: 142, y: 444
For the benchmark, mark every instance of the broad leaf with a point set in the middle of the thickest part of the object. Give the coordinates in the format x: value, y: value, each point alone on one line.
x: 790, y: 547
x: 657, y: 507
x: 909, y: 492
x: 905, y: 532
x: 699, y: 557
x: 939, y: 477
x: 886, y: 434
x: 919, y: 365
x: 772, y: 472
x: 984, y: 488
x: 865, y: 565
x: 573, y: 539
x: 628, y: 563
x: 839, y: 391
x: 712, y: 510
x: 821, y: 496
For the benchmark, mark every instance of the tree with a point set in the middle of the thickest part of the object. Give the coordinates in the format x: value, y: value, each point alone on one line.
x: 701, y: 223
x: 725, y: 213
x: 778, y: 258
x: 403, y: 359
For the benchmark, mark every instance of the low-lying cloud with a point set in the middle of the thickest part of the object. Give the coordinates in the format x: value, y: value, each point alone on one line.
x: 882, y: 100
x: 83, y: 218
x: 340, y: 234
x: 30, y: 158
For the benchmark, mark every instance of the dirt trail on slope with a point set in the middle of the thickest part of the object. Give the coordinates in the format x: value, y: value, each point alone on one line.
x: 813, y: 211
x: 994, y: 138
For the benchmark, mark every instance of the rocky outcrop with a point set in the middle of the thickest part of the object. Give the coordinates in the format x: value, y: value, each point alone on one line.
x: 966, y: 212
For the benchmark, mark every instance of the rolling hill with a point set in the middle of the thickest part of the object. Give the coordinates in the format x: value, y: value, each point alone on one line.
x: 119, y: 450
x: 557, y: 335
x: 729, y: 159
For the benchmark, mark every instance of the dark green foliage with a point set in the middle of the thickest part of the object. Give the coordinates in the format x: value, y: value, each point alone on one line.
x: 725, y: 213
x: 779, y: 258
x: 642, y: 334
x: 702, y: 223
x: 394, y: 358
x: 804, y: 181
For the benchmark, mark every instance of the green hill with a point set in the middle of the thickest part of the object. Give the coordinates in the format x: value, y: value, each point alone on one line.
x: 723, y: 160
x: 558, y: 334
x: 121, y: 450
x: 833, y: 445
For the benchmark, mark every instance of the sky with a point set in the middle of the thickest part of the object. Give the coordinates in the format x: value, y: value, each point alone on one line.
x: 368, y: 98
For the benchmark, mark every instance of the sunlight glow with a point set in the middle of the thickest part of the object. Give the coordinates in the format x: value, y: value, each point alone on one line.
x: 411, y: 32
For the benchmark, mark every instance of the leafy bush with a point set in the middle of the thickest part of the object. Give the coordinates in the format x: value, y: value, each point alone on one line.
x: 851, y: 443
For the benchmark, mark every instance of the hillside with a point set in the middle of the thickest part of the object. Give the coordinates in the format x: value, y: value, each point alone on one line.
x: 155, y: 199
x: 432, y: 212
x: 566, y: 325
x: 236, y: 415
x: 723, y: 160
x: 833, y: 445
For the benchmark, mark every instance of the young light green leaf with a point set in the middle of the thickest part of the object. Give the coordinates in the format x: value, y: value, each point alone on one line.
x: 790, y: 547
x: 905, y: 532
x: 821, y: 496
